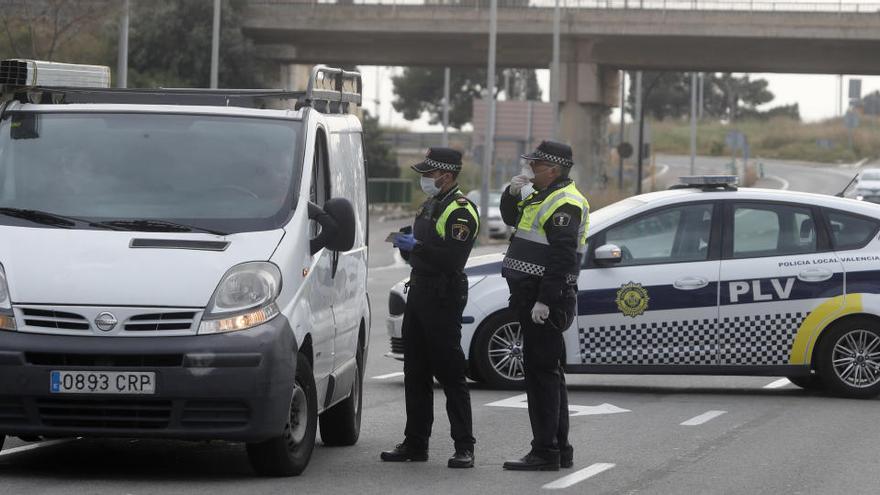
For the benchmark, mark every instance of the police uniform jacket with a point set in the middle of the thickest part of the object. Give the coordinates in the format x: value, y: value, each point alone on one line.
x: 550, y: 239
x: 445, y: 227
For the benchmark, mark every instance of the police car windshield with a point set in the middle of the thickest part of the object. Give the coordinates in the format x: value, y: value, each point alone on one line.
x: 228, y: 174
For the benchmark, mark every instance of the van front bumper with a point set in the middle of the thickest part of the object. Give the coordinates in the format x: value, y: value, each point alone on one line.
x: 235, y: 386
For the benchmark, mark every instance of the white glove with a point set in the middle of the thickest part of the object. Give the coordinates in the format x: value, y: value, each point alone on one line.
x: 540, y: 313
x: 518, y: 182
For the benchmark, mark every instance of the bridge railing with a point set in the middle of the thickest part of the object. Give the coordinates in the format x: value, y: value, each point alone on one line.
x: 699, y: 5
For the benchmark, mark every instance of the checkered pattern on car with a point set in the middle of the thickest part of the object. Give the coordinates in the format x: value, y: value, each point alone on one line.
x: 673, y: 342
x: 759, y: 339
x: 744, y: 340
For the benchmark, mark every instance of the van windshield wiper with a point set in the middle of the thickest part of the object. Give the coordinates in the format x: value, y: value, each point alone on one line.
x: 150, y: 225
x: 47, y: 218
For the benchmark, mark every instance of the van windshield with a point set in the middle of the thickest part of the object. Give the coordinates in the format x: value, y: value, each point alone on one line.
x: 148, y: 171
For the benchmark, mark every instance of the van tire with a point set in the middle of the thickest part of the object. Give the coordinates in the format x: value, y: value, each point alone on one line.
x: 503, y: 324
x: 289, y: 453
x: 341, y: 424
x: 843, y: 337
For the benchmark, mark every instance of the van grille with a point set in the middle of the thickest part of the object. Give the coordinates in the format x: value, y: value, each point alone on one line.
x: 12, y: 411
x: 152, y: 322
x: 397, y: 345
x: 215, y: 414
x: 140, y: 414
x: 54, y: 319
x: 104, y: 360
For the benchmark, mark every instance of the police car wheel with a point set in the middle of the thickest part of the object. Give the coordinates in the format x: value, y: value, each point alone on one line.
x: 809, y: 382
x: 497, y: 351
x: 849, y: 359
x: 288, y: 454
x: 341, y: 424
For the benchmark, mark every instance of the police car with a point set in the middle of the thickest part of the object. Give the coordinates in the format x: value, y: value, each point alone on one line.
x: 705, y: 278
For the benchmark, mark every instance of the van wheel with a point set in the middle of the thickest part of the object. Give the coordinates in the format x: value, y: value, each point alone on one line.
x: 809, y: 382
x: 341, y: 424
x: 850, y: 359
x: 288, y: 454
x: 497, y: 351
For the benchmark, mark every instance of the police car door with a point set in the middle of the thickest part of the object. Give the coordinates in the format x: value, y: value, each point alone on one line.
x: 659, y: 304
x: 777, y: 268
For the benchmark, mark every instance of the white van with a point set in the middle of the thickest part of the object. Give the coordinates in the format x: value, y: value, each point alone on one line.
x: 186, y: 264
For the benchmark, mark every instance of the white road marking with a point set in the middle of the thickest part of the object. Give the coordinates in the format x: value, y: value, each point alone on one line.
x: 778, y: 383
x: 703, y: 418
x: 578, y: 476
x: 389, y: 375
x: 25, y: 448
x: 783, y: 184
x: 521, y: 402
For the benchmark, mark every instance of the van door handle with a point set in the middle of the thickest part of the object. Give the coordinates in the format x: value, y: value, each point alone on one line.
x: 690, y: 283
x: 815, y: 275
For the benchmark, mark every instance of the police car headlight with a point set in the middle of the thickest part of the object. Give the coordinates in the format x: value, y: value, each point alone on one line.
x: 7, y: 320
x: 244, y: 298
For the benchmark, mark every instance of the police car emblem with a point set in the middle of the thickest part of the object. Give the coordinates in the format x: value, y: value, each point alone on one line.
x: 632, y: 299
x: 460, y: 232
x: 561, y: 219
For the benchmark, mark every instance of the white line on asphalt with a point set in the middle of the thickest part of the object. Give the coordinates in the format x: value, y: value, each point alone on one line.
x: 783, y: 183
x: 578, y: 476
x: 778, y: 383
x: 25, y: 448
x: 389, y: 375
x: 703, y: 418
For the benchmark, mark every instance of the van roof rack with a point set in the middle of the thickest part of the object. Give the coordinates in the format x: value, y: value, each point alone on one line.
x: 330, y: 90
x: 708, y: 182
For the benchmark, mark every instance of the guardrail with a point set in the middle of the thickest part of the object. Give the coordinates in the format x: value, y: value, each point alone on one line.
x: 696, y: 5
x: 389, y: 191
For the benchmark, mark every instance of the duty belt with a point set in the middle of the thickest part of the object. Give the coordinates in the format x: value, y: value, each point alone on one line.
x: 533, y: 269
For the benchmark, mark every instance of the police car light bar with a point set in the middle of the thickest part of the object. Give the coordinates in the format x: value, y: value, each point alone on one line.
x: 17, y: 73
x: 334, y: 87
x: 710, y: 181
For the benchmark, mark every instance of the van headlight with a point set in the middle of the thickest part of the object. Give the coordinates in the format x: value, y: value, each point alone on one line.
x: 7, y: 319
x: 244, y: 298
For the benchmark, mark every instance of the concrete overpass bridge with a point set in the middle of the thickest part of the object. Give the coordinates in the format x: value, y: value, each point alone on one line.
x: 598, y: 37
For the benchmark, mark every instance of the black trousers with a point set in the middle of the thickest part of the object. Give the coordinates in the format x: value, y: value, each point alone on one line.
x: 432, y: 348
x: 543, y: 358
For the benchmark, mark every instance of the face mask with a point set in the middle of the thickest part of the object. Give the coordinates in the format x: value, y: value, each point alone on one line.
x: 429, y: 186
x: 528, y: 172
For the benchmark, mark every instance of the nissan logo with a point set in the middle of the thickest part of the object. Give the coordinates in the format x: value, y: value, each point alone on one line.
x: 106, y: 321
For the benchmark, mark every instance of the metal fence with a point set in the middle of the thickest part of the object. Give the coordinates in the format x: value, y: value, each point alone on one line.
x: 389, y: 191
x: 717, y: 5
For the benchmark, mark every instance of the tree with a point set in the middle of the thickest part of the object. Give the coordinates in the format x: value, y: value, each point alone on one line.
x: 47, y: 29
x: 381, y: 159
x: 420, y: 89
x: 724, y: 95
x: 170, y: 45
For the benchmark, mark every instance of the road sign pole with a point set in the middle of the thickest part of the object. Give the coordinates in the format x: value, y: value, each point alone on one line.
x: 446, y: 107
x: 122, y: 57
x: 693, y: 122
x: 622, y: 127
x: 215, y: 46
x: 554, y: 76
x: 641, y: 117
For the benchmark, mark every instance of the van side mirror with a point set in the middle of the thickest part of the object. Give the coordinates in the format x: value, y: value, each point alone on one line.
x: 337, y: 223
x: 608, y: 254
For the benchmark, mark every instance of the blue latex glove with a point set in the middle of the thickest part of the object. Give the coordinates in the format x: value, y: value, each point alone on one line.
x: 405, y: 242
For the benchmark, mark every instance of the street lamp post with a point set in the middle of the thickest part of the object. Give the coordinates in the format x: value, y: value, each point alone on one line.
x: 644, y: 102
x: 489, y: 147
x: 215, y: 46
x: 122, y: 58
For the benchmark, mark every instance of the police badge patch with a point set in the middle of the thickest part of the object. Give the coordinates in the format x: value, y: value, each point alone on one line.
x: 561, y: 219
x: 632, y: 299
x: 460, y: 232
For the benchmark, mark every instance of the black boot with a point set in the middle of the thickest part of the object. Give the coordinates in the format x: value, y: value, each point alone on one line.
x: 462, y: 458
x: 566, y: 456
x: 535, y: 462
x: 404, y: 452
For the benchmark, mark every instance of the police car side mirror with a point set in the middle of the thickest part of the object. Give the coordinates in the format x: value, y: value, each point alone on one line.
x: 337, y: 221
x: 608, y: 254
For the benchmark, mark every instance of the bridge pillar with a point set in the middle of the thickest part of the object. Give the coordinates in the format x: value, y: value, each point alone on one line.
x: 295, y: 77
x: 587, y: 92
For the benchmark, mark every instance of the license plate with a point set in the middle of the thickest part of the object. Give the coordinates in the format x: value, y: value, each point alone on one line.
x: 102, y: 382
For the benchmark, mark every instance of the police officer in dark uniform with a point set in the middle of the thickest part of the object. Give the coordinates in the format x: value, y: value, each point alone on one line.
x: 541, y: 267
x: 441, y: 240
